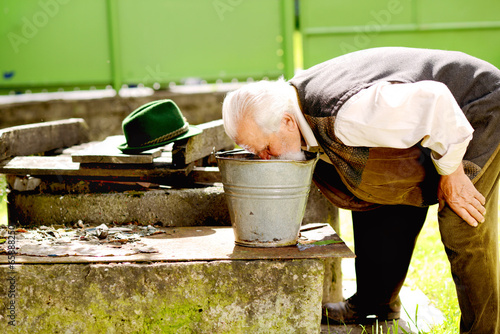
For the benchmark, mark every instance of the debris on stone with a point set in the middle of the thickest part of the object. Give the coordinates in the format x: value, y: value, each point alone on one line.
x: 102, y: 231
x: 149, y: 230
x: 48, y: 240
x: 121, y: 237
x: 113, y: 230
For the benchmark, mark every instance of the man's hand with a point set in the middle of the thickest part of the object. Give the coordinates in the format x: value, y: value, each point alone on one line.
x: 460, y: 194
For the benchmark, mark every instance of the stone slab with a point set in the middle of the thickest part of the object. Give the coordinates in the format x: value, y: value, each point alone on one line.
x: 168, y: 207
x: 184, y: 297
x: 209, y: 285
x: 202, y: 243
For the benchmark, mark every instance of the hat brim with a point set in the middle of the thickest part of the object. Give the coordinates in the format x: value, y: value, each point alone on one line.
x: 192, y: 131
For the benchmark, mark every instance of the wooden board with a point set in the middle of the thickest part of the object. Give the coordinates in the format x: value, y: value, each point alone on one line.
x: 98, y: 160
x: 63, y: 165
x: 42, y: 137
x: 213, y: 139
x: 83, y: 184
x: 206, y: 175
x: 107, y: 152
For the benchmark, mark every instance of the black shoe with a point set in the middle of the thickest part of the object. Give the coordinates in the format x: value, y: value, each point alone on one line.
x: 352, y: 311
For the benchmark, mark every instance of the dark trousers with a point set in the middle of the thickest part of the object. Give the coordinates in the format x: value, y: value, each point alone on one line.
x: 384, y: 239
x: 474, y: 259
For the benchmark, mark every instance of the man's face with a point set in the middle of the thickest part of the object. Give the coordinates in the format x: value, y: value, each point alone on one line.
x: 275, y: 145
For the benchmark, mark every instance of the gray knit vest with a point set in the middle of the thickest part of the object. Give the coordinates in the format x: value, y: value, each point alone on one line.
x: 323, y: 89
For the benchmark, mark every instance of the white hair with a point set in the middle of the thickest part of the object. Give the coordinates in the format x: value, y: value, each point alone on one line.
x: 264, y: 101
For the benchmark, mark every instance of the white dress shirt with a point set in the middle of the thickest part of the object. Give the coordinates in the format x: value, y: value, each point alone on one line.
x: 402, y: 115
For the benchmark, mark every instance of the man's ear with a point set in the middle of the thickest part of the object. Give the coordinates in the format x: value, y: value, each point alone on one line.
x: 289, y: 122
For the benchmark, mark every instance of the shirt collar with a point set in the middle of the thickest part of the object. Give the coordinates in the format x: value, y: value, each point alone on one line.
x: 305, y: 129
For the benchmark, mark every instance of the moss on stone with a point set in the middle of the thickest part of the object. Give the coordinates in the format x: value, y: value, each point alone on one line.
x: 190, y: 297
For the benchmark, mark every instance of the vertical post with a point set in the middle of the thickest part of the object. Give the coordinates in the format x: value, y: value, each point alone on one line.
x: 114, y: 44
x: 320, y: 210
x: 288, y: 26
x: 415, y: 19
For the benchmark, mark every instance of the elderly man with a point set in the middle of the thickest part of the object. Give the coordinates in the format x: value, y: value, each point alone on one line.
x: 395, y: 126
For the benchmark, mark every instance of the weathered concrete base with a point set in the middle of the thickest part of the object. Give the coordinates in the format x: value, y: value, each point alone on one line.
x: 332, y: 284
x: 170, y: 207
x: 187, y: 297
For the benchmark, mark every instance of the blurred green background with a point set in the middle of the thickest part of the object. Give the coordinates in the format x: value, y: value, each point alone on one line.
x: 48, y: 45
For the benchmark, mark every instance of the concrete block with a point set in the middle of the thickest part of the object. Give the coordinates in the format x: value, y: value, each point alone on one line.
x: 170, y: 207
x: 320, y: 210
x: 188, y: 297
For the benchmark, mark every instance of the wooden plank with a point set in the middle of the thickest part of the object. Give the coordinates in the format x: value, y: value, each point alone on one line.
x: 42, y: 137
x: 75, y: 148
x: 63, y: 165
x: 84, y: 184
x: 206, y: 175
x: 212, y: 139
x: 76, y: 184
x: 107, y: 152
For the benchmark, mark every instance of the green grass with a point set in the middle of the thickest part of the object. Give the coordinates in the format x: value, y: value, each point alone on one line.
x: 430, y: 272
x: 3, y: 201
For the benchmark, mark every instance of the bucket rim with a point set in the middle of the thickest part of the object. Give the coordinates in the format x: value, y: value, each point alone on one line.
x: 231, y: 156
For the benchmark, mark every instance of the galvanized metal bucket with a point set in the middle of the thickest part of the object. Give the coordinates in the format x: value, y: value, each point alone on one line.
x: 266, y: 198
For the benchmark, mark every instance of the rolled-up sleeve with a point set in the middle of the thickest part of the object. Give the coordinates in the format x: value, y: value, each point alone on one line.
x: 402, y: 115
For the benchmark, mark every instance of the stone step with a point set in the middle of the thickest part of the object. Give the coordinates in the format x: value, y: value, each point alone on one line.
x: 170, y: 207
x: 202, y: 205
x: 197, y: 281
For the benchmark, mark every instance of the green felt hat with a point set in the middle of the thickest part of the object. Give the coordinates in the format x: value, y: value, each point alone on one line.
x: 155, y: 124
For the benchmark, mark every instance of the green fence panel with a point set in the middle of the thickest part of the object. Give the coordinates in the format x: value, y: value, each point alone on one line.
x: 54, y: 44
x: 463, y: 11
x: 334, y: 27
x: 199, y: 39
